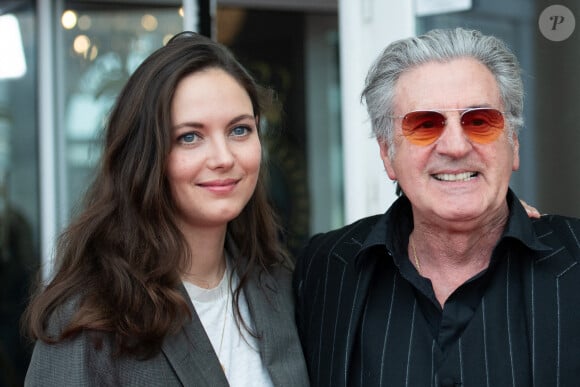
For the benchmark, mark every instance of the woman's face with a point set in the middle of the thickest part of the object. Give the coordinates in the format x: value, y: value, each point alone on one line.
x: 214, y: 162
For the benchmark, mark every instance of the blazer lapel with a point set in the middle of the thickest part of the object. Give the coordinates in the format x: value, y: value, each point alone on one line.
x: 263, y: 305
x: 191, y: 355
x: 270, y: 301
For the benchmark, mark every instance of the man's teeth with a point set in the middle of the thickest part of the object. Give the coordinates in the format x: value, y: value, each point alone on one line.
x: 455, y: 177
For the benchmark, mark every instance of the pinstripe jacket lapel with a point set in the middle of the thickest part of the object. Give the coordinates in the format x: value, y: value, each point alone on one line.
x: 552, y: 284
x: 352, y: 291
x: 340, y: 286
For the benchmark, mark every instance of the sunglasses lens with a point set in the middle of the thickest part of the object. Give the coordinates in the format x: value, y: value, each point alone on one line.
x: 423, y: 127
x: 482, y: 125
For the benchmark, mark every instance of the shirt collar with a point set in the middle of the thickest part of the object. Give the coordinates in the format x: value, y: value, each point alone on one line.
x: 520, y: 226
x: 393, y: 228
x: 391, y: 232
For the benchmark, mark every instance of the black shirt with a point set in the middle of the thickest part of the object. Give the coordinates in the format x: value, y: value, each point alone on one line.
x: 477, y: 339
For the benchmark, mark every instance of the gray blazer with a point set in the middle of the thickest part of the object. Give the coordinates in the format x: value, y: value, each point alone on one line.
x: 187, y: 358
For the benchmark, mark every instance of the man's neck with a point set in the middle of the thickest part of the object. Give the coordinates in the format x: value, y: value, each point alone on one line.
x: 449, y: 256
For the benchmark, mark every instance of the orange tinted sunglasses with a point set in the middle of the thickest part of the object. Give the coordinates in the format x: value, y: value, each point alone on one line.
x: 481, y: 125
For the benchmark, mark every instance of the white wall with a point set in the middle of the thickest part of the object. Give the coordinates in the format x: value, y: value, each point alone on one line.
x: 365, y: 28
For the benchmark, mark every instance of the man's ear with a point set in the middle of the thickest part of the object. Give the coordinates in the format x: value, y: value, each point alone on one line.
x: 384, y: 148
x: 516, y: 150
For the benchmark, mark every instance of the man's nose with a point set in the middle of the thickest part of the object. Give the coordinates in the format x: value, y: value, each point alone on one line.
x: 453, y: 141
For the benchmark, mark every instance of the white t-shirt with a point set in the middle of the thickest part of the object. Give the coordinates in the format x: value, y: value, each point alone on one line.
x: 239, y: 356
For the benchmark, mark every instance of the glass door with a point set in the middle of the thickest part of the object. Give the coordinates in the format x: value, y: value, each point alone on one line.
x: 101, y: 44
x: 19, y: 193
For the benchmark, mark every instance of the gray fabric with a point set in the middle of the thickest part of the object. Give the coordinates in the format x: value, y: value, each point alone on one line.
x: 187, y: 358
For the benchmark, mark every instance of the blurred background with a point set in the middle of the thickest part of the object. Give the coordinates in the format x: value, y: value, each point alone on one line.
x: 62, y: 64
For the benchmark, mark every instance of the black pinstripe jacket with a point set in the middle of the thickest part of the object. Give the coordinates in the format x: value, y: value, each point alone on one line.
x: 331, y: 283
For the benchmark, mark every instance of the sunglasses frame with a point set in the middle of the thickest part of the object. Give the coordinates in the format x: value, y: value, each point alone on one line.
x: 441, y: 111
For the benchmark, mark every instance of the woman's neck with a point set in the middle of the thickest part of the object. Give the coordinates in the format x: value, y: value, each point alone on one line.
x: 207, y: 262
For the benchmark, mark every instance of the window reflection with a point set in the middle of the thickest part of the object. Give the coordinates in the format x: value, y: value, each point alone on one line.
x: 298, y: 59
x: 13, y: 64
x: 19, y: 213
x: 102, y: 46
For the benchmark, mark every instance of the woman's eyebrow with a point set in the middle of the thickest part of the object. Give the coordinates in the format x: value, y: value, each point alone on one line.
x: 194, y: 124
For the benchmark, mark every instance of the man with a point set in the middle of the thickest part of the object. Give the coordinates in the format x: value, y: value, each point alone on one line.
x: 454, y: 285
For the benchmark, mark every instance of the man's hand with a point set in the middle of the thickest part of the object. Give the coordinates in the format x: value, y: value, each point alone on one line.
x: 532, y: 211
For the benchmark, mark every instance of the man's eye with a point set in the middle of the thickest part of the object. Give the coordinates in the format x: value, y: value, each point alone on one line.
x: 427, y: 124
x: 477, y: 122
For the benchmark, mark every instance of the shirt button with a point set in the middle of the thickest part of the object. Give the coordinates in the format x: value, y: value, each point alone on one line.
x: 449, y: 382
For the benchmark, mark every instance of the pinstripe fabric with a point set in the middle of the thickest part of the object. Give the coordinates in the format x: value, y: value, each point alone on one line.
x: 525, y: 330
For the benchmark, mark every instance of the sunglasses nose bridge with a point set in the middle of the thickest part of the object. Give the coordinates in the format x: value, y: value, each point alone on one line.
x: 453, y: 138
x: 447, y: 117
x: 453, y: 120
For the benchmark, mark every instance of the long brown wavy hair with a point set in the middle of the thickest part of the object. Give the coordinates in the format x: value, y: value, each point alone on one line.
x: 121, y: 258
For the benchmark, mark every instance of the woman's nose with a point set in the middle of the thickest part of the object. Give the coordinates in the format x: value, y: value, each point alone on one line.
x: 220, y: 154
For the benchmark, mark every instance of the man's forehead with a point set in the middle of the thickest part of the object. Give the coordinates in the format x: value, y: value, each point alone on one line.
x: 458, y: 83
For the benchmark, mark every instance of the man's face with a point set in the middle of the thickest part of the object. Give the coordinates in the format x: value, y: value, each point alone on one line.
x: 454, y: 178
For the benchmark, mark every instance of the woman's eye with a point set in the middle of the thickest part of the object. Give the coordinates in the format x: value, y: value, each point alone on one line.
x: 240, y: 131
x: 188, y: 138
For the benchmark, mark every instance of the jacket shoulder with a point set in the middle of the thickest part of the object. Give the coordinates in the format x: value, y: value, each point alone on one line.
x: 558, y: 230
x: 342, y: 243
x: 357, y: 230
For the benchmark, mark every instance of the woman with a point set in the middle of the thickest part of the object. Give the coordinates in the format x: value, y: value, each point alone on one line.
x: 173, y: 273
